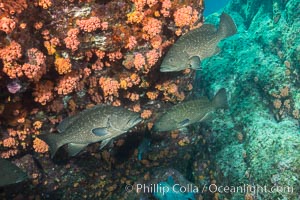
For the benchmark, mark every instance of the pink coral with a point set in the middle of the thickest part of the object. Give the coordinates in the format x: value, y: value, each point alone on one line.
x: 45, y: 4
x: 9, y: 153
x: 104, y: 25
x: 139, y: 4
x: 113, y: 56
x: 13, y: 70
x: 43, y: 92
x: 136, y: 108
x: 62, y: 65
x: 40, y: 146
x: 9, y: 142
x: 87, y: 72
x: 139, y: 61
x: 166, y: 6
x: 36, y: 57
x: 100, y: 54
x: 151, y: 27
x: 152, y: 57
x: 7, y: 25
x: 151, y: 3
x: 9, y: 55
x: 67, y: 84
x: 146, y: 114
x: 132, y: 96
x: 185, y: 16
x: 135, y: 17
x: 72, y: 41
x: 36, y: 67
x: 131, y: 43
x: 11, y: 52
x: 13, y: 7
x: 156, y: 42
x: 98, y: 65
x: 90, y: 24
x: 109, y: 86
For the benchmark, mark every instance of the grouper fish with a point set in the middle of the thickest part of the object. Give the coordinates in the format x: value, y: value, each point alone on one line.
x: 193, y: 47
x: 189, y: 112
x: 99, y: 123
x: 10, y: 173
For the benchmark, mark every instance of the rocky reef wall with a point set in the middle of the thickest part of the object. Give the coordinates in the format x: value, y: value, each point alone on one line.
x: 259, y: 144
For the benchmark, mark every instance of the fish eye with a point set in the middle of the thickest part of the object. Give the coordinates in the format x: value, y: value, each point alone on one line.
x: 171, y: 59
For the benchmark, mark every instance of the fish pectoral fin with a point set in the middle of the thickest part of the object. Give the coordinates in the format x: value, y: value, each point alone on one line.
x: 184, y: 123
x: 104, y: 143
x: 195, y: 63
x: 73, y: 148
x: 206, y: 117
x: 100, y: 131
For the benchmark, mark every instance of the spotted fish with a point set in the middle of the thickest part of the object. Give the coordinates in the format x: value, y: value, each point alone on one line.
x: 196, y: 45
x: 10, y: 173
x: 100, y: 123
x: 189, y: 112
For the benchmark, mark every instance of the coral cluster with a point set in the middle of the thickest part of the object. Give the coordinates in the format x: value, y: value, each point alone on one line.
x: 59, y: 57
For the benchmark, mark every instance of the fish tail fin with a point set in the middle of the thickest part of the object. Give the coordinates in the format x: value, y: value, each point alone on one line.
x: 220, y: 99
x: 53, y: 142
x: 227, y: 26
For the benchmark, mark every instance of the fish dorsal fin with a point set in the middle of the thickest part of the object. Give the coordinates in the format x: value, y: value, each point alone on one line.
x: 65, y: 123
x: 185, y: 122
x: 195, y: 63
x: 202, y: 99
x: 101, y: 131
x: 204, y: 30
x: 207, y: 29
x: 73, y: 149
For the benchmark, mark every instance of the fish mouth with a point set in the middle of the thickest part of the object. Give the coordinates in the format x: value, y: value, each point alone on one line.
x: 167, y: 68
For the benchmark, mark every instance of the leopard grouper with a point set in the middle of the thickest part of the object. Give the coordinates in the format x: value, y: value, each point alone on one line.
x: 99, y: 123
x: 189, y: 112
x: 196, y: 45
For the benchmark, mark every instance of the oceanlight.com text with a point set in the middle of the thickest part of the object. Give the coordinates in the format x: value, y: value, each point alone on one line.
x: 212, y: 188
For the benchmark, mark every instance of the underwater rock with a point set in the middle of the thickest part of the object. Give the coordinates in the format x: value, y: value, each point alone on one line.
x: 259, y: 67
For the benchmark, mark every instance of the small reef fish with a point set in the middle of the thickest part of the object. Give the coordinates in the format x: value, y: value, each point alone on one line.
x: 196, y: 45
x: 189, y: 112
x: 10, y: 173
x: 99, y: 123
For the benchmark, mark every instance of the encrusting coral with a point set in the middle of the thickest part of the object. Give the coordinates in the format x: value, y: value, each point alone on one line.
x: 58, y: 52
